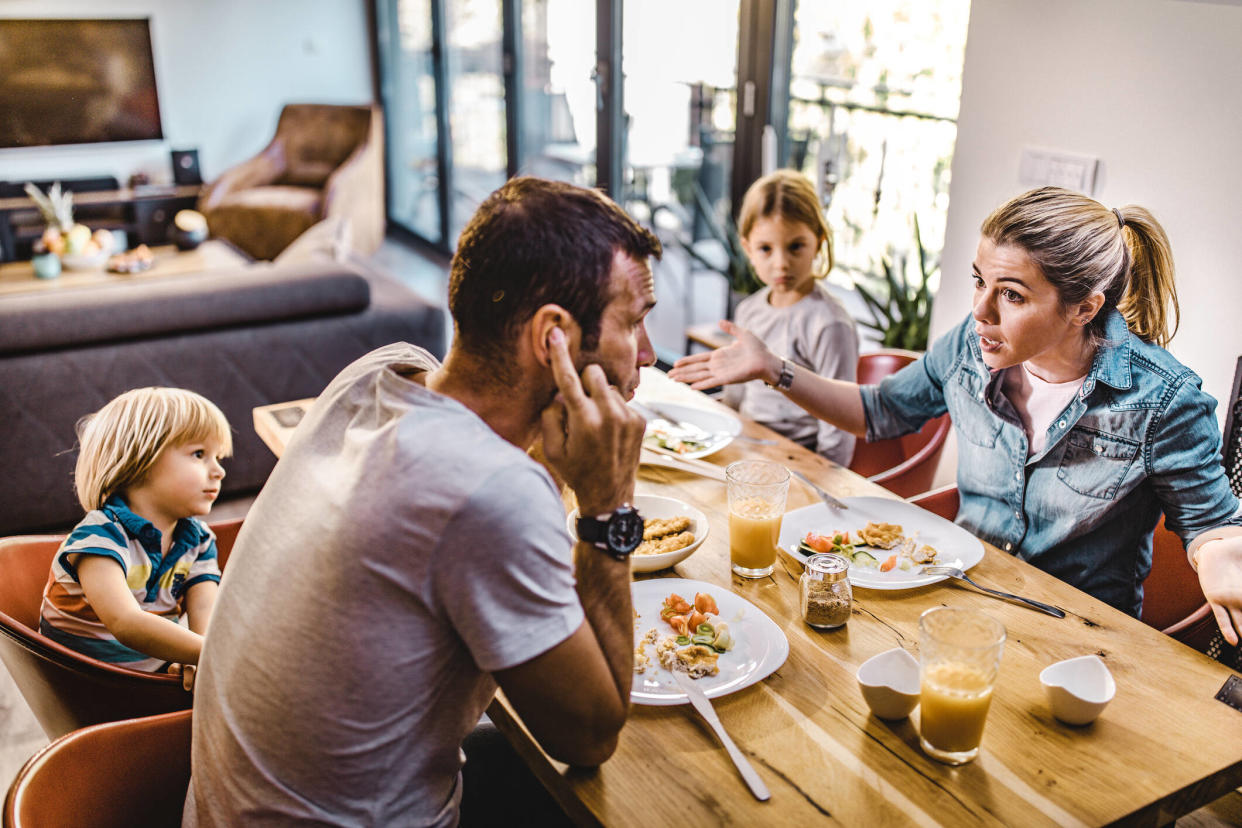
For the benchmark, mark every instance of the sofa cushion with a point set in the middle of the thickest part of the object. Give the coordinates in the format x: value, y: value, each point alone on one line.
x: 257, y: 294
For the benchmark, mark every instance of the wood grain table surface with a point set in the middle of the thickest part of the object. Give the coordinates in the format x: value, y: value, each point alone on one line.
x: 19, y: 277
x: 1163, y: 747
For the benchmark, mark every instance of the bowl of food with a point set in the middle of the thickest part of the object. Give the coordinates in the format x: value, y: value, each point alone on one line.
x: 673, y: 531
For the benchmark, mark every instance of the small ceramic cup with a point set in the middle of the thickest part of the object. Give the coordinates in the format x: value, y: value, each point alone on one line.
x: 1078, y: 688
x: 890, y: 683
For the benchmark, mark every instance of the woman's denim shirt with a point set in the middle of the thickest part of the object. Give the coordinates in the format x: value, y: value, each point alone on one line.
x: 1139, y: 438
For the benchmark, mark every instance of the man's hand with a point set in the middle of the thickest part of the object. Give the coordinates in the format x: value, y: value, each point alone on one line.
x: 590, y: 436
x: 1220, y: 576
x: 744, y: 359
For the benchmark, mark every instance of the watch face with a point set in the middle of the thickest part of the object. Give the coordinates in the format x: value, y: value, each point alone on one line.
x: 625, y: 530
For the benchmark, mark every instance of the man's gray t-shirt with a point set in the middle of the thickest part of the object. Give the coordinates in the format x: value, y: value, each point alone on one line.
x: 815, y: 332
x: 400, y: 552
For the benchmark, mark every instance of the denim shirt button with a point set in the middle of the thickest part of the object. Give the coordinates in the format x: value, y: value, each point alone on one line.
x: 1017, y: 475
x: 1008, y: 547
x: 1061, y: 424
x: 1018, y: 515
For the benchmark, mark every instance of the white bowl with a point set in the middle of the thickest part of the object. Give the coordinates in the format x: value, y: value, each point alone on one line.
x: 657, y: 506
x: 80, y: 261
x: 1078, y: 688
x: 890, y: 683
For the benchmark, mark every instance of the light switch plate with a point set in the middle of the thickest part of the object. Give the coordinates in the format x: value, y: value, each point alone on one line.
x: 1042, y: 167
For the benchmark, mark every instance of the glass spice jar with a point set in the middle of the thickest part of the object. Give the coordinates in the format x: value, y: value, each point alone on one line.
x: 827, y: 599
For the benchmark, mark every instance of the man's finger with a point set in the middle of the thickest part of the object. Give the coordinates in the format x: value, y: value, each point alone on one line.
x: 563, y: 371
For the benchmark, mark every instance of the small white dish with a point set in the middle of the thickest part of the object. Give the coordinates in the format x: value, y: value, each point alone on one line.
x: 658, y: 506
x: 1078, y: 688
x: 890, y: 683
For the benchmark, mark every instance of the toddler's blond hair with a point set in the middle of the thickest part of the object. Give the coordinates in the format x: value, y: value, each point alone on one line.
x: 121, y: 441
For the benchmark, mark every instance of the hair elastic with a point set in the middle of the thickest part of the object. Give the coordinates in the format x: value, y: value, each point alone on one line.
x: 1121, y: 222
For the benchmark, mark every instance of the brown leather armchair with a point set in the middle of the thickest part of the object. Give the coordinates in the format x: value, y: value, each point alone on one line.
x: 325, y: 163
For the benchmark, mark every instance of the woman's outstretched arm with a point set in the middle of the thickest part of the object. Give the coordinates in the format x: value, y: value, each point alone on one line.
x: 747, y: 358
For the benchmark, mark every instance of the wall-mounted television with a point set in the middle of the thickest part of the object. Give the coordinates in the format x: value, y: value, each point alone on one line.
x: 77, y: 82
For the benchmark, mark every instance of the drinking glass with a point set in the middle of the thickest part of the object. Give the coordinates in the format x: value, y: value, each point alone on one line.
x: 959, y: 657
x: 757, y: 491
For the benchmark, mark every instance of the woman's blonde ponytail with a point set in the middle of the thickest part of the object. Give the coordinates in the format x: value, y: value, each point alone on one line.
x: 1150, y: 301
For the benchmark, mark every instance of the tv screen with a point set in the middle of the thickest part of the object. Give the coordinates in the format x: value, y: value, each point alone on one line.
x: 76, y: 82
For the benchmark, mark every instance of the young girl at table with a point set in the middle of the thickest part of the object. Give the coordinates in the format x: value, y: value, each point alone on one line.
x: 788, y: 242
x: 139, y: 560
x: 1076, y: 428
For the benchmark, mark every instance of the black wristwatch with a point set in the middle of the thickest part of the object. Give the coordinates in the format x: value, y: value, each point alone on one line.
x: 618, y: 533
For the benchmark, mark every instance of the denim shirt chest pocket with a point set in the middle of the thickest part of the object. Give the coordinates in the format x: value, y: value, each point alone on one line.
x: 1096, y: 463
x: 967, y: 404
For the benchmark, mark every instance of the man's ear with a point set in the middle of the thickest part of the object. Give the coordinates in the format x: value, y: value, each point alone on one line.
x: 541, y: 324
x: 1087, y: 309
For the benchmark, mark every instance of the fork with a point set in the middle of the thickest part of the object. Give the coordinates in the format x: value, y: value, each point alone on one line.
x: 954, y: 572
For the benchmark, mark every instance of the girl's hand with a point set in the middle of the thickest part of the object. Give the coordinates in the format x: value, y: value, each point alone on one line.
x: 744, y: 359
x: 1220, y: 576
x: 187, y: 673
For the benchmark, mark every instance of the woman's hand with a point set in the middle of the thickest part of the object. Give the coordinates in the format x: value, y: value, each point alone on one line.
x: 1220, y: 576
x: 744, y: 359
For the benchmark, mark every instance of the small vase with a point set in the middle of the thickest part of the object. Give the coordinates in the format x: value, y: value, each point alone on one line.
x: 46, y: 265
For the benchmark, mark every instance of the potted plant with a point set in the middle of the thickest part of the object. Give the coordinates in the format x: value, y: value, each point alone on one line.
x: 900, y: 307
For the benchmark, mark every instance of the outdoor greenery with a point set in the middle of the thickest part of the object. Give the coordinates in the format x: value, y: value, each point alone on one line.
x: 901, y: 306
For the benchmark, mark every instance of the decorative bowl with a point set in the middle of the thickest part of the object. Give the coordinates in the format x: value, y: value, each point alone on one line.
x: 890, y: 683
x: 1078, y: 689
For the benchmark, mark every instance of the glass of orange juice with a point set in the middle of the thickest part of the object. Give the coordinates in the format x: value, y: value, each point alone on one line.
x: 959, y: 657
x: 757, y: 490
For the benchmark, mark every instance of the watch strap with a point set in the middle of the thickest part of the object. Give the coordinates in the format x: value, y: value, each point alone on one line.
x: 785, y: 381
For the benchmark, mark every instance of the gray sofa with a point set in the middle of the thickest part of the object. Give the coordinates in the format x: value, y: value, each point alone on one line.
x: 241, y: 337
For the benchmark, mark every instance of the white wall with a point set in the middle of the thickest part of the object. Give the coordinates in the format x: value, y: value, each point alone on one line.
x: 224, y: 69
x: 1151, y: 87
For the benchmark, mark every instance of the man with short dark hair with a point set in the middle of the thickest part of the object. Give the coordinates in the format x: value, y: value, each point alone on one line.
x: 407, y: 555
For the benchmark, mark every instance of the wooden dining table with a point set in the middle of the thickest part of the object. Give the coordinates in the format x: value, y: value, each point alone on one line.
x: 1163, y: 747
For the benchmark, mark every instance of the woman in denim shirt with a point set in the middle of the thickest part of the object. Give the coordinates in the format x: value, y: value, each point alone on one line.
x: 1076, y: 429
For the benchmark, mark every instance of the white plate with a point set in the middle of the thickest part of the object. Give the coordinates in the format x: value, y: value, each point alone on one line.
x: 760, y: 647
x: 725, y: 425
x: 657, y: 506
x: 956, y: 546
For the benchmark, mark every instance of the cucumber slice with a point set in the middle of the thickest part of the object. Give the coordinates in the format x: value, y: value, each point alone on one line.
x: 865, y: 559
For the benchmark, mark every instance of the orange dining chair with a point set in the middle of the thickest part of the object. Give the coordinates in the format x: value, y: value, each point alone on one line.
x: 904, y: 465
x: 1172, y: 600
x: 65, y: 689
x: 111, y: 775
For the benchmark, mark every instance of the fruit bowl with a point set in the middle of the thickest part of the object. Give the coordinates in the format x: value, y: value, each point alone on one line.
x: 84, y: 261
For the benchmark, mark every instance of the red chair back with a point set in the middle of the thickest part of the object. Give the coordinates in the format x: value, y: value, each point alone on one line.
x: 110, y: 775
x: 943, y: 501
x: 65, y: 689
x: 904, y: 465
x: 1173, y: 602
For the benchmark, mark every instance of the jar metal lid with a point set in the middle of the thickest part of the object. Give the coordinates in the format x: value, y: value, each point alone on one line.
x: 827, y: 566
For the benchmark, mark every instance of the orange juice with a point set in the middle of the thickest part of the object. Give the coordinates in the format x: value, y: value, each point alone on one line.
x: 754, y: 527
x: 954, y: 699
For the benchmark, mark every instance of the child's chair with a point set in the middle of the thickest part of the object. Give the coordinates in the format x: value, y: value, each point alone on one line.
x: 65, y: 689
x: 110, y: 775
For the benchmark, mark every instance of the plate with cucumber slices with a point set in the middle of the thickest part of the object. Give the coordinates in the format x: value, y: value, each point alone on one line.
x: 886, y: 541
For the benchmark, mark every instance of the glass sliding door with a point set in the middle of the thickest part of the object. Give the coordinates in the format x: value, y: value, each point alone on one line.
x: 408, y: 92
x: 476, y: 105
x: 680, y: 66
x: 557, y: 111
x: 874, y: 95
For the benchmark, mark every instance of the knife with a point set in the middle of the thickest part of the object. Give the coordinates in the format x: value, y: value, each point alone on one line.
x: 832, y: 502
x: 704, y: 706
